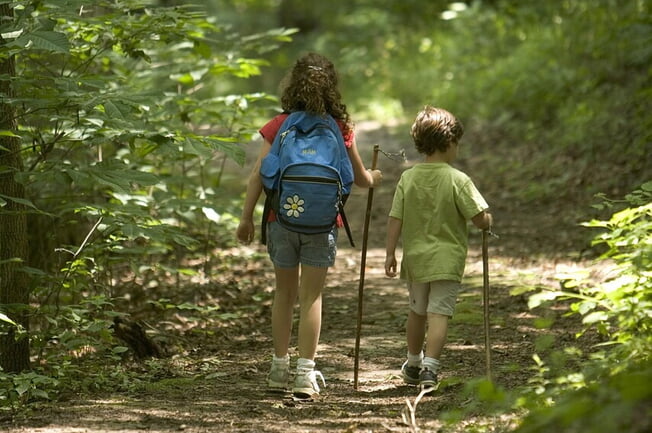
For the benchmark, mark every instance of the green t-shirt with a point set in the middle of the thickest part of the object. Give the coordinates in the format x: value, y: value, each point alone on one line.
x: 435, y: 201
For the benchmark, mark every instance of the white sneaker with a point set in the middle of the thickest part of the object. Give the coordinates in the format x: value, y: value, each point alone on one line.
x: 305, y: 384
x: 277, y: 379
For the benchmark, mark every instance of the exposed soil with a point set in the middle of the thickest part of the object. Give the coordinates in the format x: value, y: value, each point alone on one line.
x: 215, y: 381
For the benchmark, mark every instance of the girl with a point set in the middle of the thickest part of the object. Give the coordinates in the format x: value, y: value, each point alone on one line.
x: 301, y: 261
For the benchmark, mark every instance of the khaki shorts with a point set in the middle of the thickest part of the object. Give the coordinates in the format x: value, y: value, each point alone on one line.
x: 437, y: 297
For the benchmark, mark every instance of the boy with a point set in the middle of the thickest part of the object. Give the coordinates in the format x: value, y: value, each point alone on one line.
x: 432, y: 204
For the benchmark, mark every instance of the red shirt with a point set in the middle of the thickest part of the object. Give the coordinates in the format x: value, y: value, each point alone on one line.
x: 271, y: 128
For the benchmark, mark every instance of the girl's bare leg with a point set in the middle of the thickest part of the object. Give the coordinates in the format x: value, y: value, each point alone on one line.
x: 310, y: 302
x: 285, y: 297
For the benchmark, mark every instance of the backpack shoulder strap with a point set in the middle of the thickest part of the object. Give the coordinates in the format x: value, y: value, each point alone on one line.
x: 267, y: 207
x: 346, y: 226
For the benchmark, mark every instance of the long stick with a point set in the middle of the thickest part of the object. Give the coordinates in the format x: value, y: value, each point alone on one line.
x: 485, y: 299
x: 363, y: 264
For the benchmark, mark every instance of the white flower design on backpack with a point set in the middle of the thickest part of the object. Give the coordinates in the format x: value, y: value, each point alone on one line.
x: 294, y: 206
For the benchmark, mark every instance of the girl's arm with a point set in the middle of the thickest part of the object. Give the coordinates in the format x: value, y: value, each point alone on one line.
x: 361, y: 176
x: 245, y: 231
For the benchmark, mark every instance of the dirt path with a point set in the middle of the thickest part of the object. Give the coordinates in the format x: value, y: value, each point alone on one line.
x: 216, y: 381
x: 222, y: 388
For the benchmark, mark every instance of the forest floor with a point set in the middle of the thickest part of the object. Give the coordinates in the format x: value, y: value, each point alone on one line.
x: 214, y: 381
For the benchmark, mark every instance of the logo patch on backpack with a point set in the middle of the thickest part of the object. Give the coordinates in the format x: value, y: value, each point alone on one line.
x: 307, y: 174
x: 294, y: 206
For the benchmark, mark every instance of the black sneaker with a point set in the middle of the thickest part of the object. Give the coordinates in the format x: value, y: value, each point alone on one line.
x: 428, y: 380
x: 410, y: 374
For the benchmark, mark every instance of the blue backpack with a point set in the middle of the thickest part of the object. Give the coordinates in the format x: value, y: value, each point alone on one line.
x: 307, y: 175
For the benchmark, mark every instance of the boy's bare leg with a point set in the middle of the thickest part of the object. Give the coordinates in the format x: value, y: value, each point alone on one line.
x: 416, y: 332
x: 437, y: 332
x: 310, y: 291
x: 285, y: 296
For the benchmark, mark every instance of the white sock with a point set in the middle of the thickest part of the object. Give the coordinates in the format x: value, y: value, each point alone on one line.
x: 431, y: 364
x: 305, y: 364
x: 283, y: 360
x: 414, y: 360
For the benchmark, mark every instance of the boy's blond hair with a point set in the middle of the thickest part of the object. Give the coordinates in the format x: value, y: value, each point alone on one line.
x: 434, y: 129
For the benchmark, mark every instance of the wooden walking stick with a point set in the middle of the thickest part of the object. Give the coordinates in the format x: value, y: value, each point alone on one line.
x: 485, y: 298
x: 363, y: 263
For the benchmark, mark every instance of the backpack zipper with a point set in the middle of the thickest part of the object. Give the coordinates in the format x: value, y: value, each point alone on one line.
x: 287, y: 131
x: 312, y: 179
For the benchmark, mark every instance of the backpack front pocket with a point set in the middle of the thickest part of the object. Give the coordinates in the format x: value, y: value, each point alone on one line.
x: 309, y: 203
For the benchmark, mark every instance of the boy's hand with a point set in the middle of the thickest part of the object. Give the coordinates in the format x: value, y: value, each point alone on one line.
x: 390, y: 266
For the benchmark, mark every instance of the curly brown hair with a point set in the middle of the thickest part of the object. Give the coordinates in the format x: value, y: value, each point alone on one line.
x: 434, y: 129
x: 311, y: 85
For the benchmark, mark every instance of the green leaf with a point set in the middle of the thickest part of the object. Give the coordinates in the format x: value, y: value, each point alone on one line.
x: 116, y: 183
x: 5, y: 318
x: 594, y: 317
x: 543, y: 322
x: 544, y: 342
x: 516, y: 291
x: 120, y: 178
x: 539, y: 298
x: 114, y: 110
x: 5, y: 133
x: 229, y: 147
x: 211, y: 214
x: 41, y: 394
x: 22, y: 388
x: 132, y: 231
x: 50, y: 41
x: 34, y: 272
x: 18, y: 200
x: 142, y: 178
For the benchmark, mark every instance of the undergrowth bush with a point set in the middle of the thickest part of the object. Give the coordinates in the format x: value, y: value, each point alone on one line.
x: 610, y: 391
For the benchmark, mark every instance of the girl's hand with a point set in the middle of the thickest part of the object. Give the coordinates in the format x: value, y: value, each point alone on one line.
x: 376, y: 178
x: 245, y: 232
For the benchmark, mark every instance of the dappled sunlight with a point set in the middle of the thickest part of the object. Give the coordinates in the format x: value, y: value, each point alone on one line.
x: 230, y: 349
x: 128, y: 136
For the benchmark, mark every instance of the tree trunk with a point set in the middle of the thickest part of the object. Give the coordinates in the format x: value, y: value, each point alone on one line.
x: 14, y: 282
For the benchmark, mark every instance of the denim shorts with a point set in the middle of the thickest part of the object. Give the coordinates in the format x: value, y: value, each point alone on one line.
x: 437, y: 297
x: 288, y: 249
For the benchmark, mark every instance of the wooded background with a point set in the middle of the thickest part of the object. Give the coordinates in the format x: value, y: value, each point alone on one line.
x: 118, y: 117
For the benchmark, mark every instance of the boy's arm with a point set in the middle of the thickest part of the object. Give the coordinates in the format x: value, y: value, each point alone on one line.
x: 394, y: 226
x: 484, y: 220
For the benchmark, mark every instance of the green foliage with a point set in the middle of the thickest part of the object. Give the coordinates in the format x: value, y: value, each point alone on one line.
x: 18, y: 389
x: 568, y: 78
x: 616, y: 376
x: 122, y: 126
x: 550, y: 74
x: 127, y: 113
